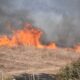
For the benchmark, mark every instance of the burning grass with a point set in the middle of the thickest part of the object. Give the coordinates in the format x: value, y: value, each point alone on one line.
x: 24, y: 53
x: 29, y: 36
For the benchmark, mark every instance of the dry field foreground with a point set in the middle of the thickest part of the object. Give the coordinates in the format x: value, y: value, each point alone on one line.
x: 32, y: 60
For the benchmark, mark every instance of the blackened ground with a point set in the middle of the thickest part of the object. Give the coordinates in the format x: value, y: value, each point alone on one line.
x: 41, y: 76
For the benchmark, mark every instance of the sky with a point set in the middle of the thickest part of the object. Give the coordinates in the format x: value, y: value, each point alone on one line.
x: 69, y: 6
x: 60, y: 19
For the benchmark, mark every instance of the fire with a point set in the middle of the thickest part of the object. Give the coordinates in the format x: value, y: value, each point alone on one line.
x: 77, y: 48
x: 29, y: 36
x: 5, y: 41
x: 52, y: 46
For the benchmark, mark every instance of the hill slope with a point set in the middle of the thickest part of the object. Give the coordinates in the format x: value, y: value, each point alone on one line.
x: 32, y: 60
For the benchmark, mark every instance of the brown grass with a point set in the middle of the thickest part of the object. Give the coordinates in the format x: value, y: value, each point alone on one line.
x: 33, y: 60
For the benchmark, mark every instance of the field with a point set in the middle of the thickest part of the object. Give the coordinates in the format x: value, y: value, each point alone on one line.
x: 32, y: 60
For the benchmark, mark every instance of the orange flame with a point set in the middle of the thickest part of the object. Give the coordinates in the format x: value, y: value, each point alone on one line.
x: 77, y: 48
x: 29, y: 36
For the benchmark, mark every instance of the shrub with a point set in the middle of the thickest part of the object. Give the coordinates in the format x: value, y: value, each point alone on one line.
x: 71, y: 72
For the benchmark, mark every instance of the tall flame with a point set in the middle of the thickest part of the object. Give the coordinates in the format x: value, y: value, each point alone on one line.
x: 29, y: 36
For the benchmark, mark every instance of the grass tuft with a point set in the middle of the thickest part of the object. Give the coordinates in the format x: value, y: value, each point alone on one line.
x: 70, y: 72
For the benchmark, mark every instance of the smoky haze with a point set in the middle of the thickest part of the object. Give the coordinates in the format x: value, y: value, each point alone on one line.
x: 59, y: 19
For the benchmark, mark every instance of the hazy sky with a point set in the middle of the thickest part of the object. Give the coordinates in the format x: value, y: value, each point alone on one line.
x: 67, y: 6
x: 57, y: 18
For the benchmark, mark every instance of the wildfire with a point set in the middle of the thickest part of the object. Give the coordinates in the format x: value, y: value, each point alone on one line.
x: 77, y: 48
x: 29, y: 36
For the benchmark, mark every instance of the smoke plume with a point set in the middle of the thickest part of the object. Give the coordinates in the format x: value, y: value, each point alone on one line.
x: 59, y: 19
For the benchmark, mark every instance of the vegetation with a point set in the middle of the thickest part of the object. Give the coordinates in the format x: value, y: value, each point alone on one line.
x: 7, y: 77
x: 70, y: 72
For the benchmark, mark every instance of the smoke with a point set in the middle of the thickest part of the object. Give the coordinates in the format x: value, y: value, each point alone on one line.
x: 59, y: 19
x: 12, y: 15
x: 68, y: 31
x: 59, y: 28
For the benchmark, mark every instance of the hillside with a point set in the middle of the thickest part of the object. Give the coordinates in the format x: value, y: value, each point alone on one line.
x: 33, y: 60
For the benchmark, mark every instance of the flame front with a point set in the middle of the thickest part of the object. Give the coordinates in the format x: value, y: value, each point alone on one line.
x: 29, y: 36
x: 77, y: 48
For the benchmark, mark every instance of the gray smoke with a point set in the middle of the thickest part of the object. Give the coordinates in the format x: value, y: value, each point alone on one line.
x: 62, y: 29
x: 59, y: 19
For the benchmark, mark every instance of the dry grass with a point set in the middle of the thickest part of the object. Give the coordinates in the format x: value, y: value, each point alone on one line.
x: 70, y: 72
x: 32, y: 60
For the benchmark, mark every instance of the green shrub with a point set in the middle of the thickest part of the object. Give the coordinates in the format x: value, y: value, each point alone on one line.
x: 71, y: 72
